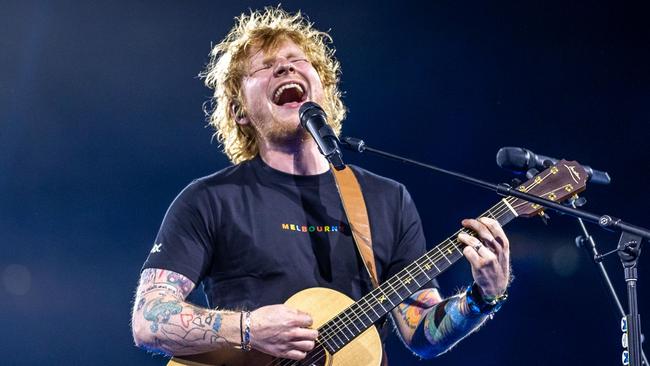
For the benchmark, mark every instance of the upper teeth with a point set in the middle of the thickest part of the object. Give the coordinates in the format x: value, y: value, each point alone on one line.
x: 284, y: 87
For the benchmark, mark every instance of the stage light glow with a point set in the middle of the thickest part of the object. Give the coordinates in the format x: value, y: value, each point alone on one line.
x: 17, y: 279
x: 565, y: 261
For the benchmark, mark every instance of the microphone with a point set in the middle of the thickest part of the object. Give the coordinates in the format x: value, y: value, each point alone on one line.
x: 518, y: 159
x: 313, y: 119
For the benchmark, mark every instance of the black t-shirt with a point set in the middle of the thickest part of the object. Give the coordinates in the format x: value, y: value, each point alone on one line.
x: 255, y: 236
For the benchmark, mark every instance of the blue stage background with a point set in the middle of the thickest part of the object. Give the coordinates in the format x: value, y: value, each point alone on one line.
x: 102, y: 125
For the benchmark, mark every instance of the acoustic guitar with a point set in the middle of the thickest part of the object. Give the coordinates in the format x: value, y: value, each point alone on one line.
x: 347, y: 335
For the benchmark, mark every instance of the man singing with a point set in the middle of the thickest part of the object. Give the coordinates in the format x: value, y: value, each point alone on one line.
x: 272, y: 224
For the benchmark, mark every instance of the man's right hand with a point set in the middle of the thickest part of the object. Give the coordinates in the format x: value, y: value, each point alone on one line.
x: 282, y: 331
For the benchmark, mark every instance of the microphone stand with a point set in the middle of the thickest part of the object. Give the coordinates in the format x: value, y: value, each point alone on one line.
x: 587, y: 242
x: 629, y: 247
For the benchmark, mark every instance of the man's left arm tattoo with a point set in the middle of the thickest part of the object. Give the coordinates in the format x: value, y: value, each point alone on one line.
x: 430, y: 327
x: 414, y: 308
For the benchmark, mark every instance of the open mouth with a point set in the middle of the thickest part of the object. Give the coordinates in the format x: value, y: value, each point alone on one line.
x: 289, y: 93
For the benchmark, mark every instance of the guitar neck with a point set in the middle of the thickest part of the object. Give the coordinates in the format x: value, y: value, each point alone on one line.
x: 358, y: 317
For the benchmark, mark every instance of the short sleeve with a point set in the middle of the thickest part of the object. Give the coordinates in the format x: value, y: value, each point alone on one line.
x: 184, y: 243
x: 411, y: 243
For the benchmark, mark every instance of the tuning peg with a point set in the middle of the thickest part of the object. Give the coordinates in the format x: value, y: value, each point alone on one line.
x: 515, y: 182
x: 545, y: 217
x: 575, y: 201
x: 531, y: 173
x: 580, y: 201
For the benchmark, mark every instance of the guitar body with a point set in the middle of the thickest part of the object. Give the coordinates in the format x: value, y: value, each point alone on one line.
x: 323, y: 304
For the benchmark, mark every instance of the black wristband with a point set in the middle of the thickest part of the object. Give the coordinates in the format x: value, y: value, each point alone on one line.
x: 478, y: 305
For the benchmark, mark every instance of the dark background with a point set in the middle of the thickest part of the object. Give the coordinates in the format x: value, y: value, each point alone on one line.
x: 102, y: 125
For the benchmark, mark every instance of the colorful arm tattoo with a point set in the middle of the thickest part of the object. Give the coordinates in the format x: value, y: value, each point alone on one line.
x: 432, y: 326
x: 173, y: 326
x: 153, y: 279
x: 446, y: 325
x: 413, y: 309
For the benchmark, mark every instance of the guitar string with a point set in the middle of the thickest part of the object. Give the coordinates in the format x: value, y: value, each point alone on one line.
x: 498, y: 213
x: 317, y: 356
x: 320, y: 353
x: 398, y: 281
x: 337, y: 326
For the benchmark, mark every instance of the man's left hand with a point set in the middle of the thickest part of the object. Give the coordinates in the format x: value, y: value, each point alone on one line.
x: 489, y: 255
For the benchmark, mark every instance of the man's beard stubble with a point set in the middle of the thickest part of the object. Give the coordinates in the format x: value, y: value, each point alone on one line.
x: 282, y: 134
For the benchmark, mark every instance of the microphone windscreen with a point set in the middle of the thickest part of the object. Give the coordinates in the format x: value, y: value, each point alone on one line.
x: 512, y: 158
x: 309, y: 109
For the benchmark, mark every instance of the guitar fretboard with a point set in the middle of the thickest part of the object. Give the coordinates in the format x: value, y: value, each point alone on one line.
x: 358, y: 317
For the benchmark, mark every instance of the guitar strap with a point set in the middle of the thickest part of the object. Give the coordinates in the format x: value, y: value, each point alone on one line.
x: 354, y: 207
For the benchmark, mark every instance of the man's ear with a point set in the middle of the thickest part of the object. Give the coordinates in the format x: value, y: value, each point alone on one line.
x: 237, y: 113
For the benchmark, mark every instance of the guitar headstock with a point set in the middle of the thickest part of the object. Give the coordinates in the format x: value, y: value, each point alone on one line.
x: 557, y: 183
